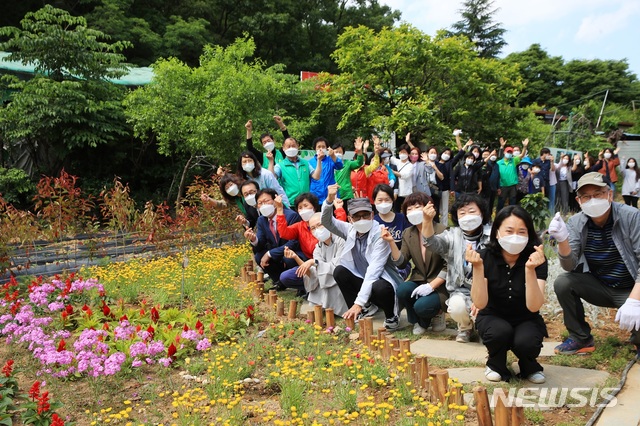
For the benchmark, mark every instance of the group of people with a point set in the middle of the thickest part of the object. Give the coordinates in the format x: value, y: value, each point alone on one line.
x: 372, y: 233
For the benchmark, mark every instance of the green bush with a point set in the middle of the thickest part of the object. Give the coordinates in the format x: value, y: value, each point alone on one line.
x: 537, y: 205
x: 15, y: 186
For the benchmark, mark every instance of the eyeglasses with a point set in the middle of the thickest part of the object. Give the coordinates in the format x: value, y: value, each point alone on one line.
x: 358, y: 217
x: 267, y: 201
x: 598, y: 194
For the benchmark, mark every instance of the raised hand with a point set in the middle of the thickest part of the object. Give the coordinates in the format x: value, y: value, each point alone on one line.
x: 338, y: 203
x: 249, y: 125
x: 221, y: 171
x: 503, y: 142
x: 472, y: 256
x: 250, y: 235
x: 525, y: 142
x: 321, y: 154
x: 536, y: 258
x: 429, y: 212
x: 366, y: 144
x: 407, y: 138
x: 332, y: 191
x: 558, y: 229
x: 278, y: 202
x: 386, y: 235
x: 358, y: 144
x: 269, y: 155
x: 425, y: 157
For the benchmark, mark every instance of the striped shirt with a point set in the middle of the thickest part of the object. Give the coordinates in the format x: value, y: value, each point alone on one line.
x: 604, y: 258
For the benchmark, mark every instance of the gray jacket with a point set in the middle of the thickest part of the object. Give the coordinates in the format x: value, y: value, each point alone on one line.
x: 625, y: 234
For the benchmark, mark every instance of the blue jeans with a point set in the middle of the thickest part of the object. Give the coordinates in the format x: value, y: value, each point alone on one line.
x: 419, y: 310
x: 552, y: 199
x: 290, y: 280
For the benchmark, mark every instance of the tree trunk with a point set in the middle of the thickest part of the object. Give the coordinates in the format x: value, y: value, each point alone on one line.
x: 182, y: 179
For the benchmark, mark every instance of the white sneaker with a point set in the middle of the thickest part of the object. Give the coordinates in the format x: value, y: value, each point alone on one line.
x: 438, y: 323
x: 418, y: 330
x: 464, y: 336
x: 537, y: 378
x: 492, y: 376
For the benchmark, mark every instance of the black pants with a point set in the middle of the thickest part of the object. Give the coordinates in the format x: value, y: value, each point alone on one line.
x: 275, y: 267
x: 523, y: 339
x: 382, y: 293
x: 507, y: 195
x: 630, y: 200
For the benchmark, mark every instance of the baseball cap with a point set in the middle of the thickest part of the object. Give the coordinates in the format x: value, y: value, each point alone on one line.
x: 385, y: 155
x: 592, y: 178
x: 508, y: 149
x: 359, y: 205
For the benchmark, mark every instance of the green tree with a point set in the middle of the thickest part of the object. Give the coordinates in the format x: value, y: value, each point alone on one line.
x: 68, y: 104
x: 200, y: 111
x: 478, y: 26
x: 402, y: 79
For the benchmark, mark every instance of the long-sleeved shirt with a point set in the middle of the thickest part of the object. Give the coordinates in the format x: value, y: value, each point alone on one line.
x: 343, y: 176
x: 327, y: 176
x: 278, y: 153
x: 405, y: 182
x: 294, y: 176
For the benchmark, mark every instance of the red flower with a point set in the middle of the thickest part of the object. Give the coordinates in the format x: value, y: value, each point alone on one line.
x: 64, y: 315
x: 56, y: 420
x: 105, y: 309
x: 62, y: 345
x: 124, y: 318
x: 68, y: 309
x: 43, y: 403
x: 250, y: 310
x: 8, y: 368
x: 151, y: 332
x: 199, y: 325
x: 155, y: 315
x: 171, y: 351
x: 142, y: 312
x: 105, y: 326
x: 87, y: 310
x: 34, y: 392
x: 185, y: 327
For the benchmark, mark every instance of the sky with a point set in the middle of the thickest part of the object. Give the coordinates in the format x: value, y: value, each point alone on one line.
x: 572, y: 29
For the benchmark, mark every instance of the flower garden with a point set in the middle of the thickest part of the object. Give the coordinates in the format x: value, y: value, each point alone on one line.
x: 181, y: 340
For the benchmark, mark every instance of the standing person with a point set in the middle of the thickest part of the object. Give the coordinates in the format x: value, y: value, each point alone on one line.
x: 631, y: 182
x: 434, y: 176
x: 490, y: 176
x: 328, y: 162
x: 317, y: 275
x: 465, y: 178
x: 600, y: 250
x: 365, y: 274
x: 294, y: 172
x: 468, y: 215
x: 424, y: 295
x: 524, y: 179
x: 536, y: 183
x: 547, y: 171
x: 577, y: 170
x: 404, y: 175
x: 446, y: 166
x: 509, y: 302
x: 607, y: 162
x: 267, y: 141
x: 249, y: 168
x: 508, y: 169
x: 360, y: 177
x: 565, y: 183
x: 343, y: 176
x: 419, y: 178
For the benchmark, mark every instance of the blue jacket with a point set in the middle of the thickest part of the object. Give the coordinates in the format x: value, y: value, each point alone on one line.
x: 327, y: 177
x: 267, y: 242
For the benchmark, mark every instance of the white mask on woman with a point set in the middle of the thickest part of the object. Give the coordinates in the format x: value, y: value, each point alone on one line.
x: 415, y: 217
x: 321, y: 234
x: 470, y: 222
x: 248, y: 167
x: 513, y: 244
x: 445, y: 157
x: 384, y: 208
x: 631, y: 164
x: 269, y: 146
x: 306, y: 214
x: 233, y: 190
x: 469, y: 161
x: 565, y: 161
x: 607, y: 155
x: 403, y: 157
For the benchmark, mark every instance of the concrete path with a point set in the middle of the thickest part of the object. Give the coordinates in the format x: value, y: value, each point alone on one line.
x: 472, y: 351
x: 625, y: 411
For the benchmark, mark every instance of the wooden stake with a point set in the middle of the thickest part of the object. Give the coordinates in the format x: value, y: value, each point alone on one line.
x: 502, y: 412
x: 381, y: 332
x: 423, y: 372
x: 386, y: 352
x: 350, y: 322
x: 317, y: 313
x: 310, y: 316
x: 483, y: 409
x: 405, y: 347
x: 273, y: 296
x: 367, y: 324
x: 439, y: 385
x: 330, y: 317
x: 252, y: 277
x: 517, y: 415
x: 280, y: 308
x: 293, y: 309
x: 260, y: 276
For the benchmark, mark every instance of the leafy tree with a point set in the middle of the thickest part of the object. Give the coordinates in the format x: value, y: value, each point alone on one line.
x: 402, y: 79
x: 200, y: 111
x: 587, y: 77
x: 478, y: 26
x: 68, y: 104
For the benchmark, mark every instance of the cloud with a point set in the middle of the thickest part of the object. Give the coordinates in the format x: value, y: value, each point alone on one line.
x: 594, y: 27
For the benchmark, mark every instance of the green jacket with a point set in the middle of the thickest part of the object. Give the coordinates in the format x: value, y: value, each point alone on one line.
x: 508, y: 171
x: 294, y: 180
x: 343, y: 176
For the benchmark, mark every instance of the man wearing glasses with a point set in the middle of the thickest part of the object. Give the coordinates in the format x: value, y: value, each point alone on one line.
x: 600, y: 249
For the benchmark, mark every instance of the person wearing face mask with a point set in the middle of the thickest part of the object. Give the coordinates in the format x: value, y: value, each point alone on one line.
x: 419, y: 177
x: 564, y: 183
x: 268, y: 244
x: 446, y: 164
x: 468, y: 216
x: 508, y: 169
x: 465, y: 178
x: 294, y: 172
x: 395, y: 223
x: 404, y: 174
x: 249, y: 168
x: 490, y: 177
x: 509, y: 278
x: 328, y: 162
x: 547, y: 167
x: 424, y: 294
x: 317, y: 275
x: 393, y: 182
x: 343, y: 176
x: 631, y: 181
x: 360, y: 177
x: 536, y: 183
x: 607, y: 162
x: 433, y: 176
x: 306, y: 205
x: 268, y: 143
x: 366, y: 275
x: 600, y: 250
x: 524, y: 179
x: 577, y: 170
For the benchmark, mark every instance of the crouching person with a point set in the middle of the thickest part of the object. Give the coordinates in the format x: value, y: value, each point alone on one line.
x: 424, y: 294
x: 317, y: 272
x: 365, y: 273
x: 509, y: 277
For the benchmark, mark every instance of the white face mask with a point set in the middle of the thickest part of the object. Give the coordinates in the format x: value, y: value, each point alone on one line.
x: 306, y: 214
x: 433, y: 157
x: 384, y: 208
x: 248, y: 167
x: 577, y: 161
x: 468, y: 162
x: 595, y: 207
x: 445, y: 157
x: 525, y: 166
x: 631, y: 164
x: 493, y: 158
x: 250, y: 199
x: 291, y: 152
x: 607, y: 155
x: 321, y: 234
x: 267, y: 209
x: 269, y: 146
x: 415, y: 217
x: 535, y: 170
x: 470, y: 222
x: 508, y: 155
x: 363, y: 225
x: 321, y: 151
x: 339, y: 155
x: 565, y: 161
x: 233, y: 190
x: 476, y: 154
x: 516, y: 153
x: 403, y: 157
x: 513, y: 244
